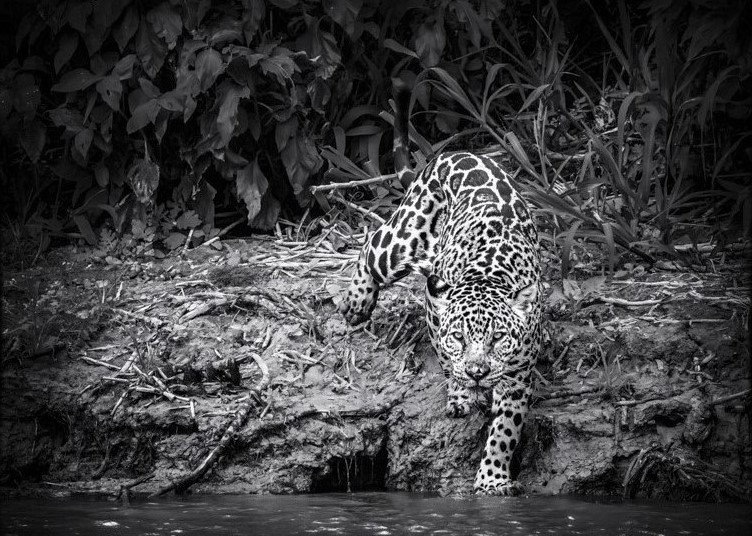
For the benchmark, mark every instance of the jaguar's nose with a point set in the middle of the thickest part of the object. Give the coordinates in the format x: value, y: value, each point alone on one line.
x: 477, y: 371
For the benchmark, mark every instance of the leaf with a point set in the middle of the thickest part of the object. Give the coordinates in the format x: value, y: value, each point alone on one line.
x: 364, y: 130
x: 593, y: 285
x: 571, y: 289
x: 149, y: 89
x: 343, y: 12
x: 76, y: 80
x: 391, y: 44
x: 72, y: 120
x: 143, y: 115
x: 150, y: 49
x: 174, y: 241
x: 301, y: 160
x: 102, y: 174
x: 123, y: 69
x: 6, y: 102
x: 188, y: 220
x: 110, y: 89
x: 193, y: 13
x: 534, y: 96
x: 33, y: 138
x: 166, y: 23
x: 127, y: 28
x: 267, y: 217
x: 82, y: 142
x: 76, y: 14
x: 85, y: 229
x: 27, y: 97
x: 284, y: 131
x: 430, y: 42
x: 251, y: 184
x: 171, y: 102
x: 209, y: 66
x: 227, y: 118
x: 284, y: 4
x: 66, y: 47
x: 253, y: 15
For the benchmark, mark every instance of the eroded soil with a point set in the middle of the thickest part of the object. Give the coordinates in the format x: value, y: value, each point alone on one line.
x: 118, y: 370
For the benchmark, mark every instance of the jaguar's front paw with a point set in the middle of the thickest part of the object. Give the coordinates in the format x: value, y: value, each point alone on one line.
x: 457, y: 409
x: 503, y: 488
x: 354, y: 313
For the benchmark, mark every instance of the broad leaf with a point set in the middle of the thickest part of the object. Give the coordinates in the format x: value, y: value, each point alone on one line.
x: 66, y: 47
x: 127, y: 27
x: 251, y: 184
x: 209, y: 66
x: 188, y: 220
x: 143, y: 115
x: 33, y: 138
x: 254, y: 13
x: 430, y: 42
x: 344, y: 13
x: 72, y: 120
x: 110, y: 89
x: 166, y: 22
x: 76, y: 80
x: 82, y: 142
x: 150, y: 49
x: 124, y: 68
x: 227, y: 118
x: 26, y: 97
x: 102, y: 174
x: 76, y: 13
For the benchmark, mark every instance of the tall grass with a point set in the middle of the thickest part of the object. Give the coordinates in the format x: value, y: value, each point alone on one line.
x: 638, y: 145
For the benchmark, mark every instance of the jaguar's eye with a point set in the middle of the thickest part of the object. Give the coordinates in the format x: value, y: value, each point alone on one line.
x: 457, y: 335
x: 498, y: 335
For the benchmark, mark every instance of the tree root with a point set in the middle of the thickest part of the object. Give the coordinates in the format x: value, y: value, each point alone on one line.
x: 701, y: 480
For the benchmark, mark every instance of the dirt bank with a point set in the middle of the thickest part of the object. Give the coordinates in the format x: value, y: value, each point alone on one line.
x: 116, y: 371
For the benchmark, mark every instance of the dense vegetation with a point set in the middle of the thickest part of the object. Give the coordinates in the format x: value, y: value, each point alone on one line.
x: 140, y: 124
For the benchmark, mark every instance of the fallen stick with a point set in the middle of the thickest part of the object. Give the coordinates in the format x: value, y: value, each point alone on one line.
x: 362, y: 210
x: 353, y: 184
x: 729, y: 398
x: 100, y: 363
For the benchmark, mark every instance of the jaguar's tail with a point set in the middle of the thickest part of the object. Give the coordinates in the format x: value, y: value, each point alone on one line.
x: 401, y: 149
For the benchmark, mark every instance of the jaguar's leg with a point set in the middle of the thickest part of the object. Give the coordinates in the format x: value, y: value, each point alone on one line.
x: 385, y: 258
x: 361, y: 296
x: 509, y: 410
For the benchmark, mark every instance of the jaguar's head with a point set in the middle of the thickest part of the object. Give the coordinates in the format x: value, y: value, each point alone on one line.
x: 482, y: 330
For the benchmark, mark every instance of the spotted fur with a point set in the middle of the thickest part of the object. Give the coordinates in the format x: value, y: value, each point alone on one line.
x: 463, y: 224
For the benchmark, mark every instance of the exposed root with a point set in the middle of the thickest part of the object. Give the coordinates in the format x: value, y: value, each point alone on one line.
x: 655, y: 473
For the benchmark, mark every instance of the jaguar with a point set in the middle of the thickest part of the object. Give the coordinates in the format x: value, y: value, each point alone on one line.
x: 464, y: 225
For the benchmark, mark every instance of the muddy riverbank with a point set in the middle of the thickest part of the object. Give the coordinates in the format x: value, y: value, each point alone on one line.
x: 129, y: 373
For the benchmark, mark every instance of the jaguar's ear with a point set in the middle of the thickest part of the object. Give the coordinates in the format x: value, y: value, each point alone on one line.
x: 437, y: 287
x: 436, y: 290
x: 523, y: 302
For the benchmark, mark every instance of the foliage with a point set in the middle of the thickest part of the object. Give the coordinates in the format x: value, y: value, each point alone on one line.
x: 156, y: 115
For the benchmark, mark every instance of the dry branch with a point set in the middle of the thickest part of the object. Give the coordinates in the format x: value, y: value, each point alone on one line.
x: 353, y: 184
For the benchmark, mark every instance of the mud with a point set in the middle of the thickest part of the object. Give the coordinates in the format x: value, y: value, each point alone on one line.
x: 630, y: 399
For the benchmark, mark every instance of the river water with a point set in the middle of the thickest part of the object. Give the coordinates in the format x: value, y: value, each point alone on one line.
x: 381, y: 514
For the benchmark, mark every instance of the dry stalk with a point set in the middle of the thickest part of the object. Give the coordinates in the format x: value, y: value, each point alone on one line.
x: 353, y: 184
